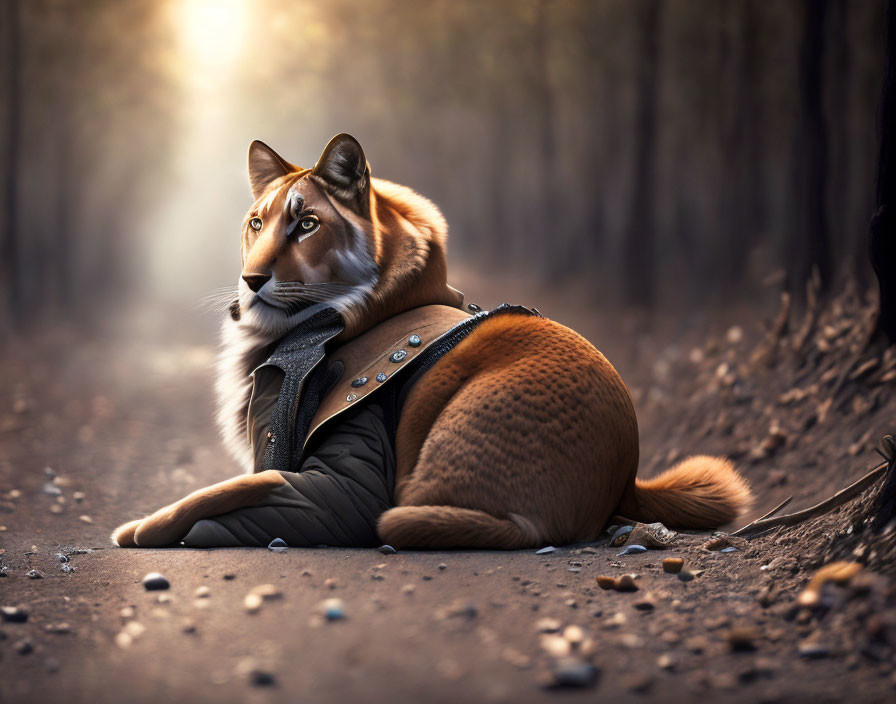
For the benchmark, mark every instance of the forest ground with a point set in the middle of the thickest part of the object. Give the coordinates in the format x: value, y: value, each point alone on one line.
x: 123, y: 420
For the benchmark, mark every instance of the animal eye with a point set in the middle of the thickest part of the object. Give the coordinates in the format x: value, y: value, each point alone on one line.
x: 255, y: 224
x: 308, y: 223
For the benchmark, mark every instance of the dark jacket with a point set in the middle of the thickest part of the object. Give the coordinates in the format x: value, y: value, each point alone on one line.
x: 327, y: 421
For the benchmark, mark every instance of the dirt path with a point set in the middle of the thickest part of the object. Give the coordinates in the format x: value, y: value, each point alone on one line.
x: 126, y: 426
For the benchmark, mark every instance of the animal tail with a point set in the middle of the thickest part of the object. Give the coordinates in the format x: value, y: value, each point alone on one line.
x: 447, y: 527
x: 699, y: 492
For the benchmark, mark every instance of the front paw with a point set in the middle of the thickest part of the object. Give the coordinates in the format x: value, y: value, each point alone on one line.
x: 123, y: 536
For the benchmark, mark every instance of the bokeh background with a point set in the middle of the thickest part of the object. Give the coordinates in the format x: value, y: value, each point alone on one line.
x: 671, y: 155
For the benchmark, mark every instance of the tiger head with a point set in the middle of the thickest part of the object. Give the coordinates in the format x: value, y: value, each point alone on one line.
x: 333, y: 236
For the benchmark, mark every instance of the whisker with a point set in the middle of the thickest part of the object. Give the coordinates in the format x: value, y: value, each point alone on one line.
x: 218, y: 300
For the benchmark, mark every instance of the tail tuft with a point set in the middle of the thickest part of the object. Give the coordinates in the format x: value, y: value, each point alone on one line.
x: 699, y: 492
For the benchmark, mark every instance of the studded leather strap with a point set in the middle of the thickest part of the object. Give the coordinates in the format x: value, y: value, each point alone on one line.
x: 370, y: 360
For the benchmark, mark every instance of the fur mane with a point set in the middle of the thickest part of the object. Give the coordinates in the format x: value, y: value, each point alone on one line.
x: 407, y: 236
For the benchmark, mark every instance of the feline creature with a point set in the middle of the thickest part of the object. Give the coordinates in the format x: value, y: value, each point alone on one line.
x: 496, y: 430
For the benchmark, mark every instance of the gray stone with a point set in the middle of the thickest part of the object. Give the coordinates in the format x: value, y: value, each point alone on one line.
x: 572, y: 673
x: 13, y: 614
x: 155, y: 581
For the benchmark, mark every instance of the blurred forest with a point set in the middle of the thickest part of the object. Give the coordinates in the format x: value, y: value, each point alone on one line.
x: 666, y: 153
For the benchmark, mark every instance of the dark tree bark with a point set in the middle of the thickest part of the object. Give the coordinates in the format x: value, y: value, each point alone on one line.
x: 9, y: 256
x: 840, y: 110
x: 809, y: 242
x: 639, y: 255
x: 883, y: 224
x: 742, y: 200
x: 550, y: 232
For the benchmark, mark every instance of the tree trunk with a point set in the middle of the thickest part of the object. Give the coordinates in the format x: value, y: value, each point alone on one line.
x: 550, y: 231
x: 741, y: 199
x: 883, y: 224
x: 9, y: 255
x: 638, y: 249
x: 809, y: 243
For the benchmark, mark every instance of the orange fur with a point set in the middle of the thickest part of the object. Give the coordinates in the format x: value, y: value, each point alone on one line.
x: 699, y: 492
x: 523, y: 434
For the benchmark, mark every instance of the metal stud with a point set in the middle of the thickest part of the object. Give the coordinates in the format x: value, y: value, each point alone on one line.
x: 273, y: 437
x: 351, y: 397
x: 360, y: 381
x: 414, y: 341
x: 473, y: 308
x: 397, y: 356
x: 381, y: 377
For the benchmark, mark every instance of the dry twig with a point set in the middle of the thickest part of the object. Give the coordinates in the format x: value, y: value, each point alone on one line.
x: 829, y: 504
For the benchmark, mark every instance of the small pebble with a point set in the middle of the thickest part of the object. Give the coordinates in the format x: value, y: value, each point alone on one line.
x: 632, y: 550
x: 620, y: 535
x: 13, y: 614
x: 626, y: 583
x: 717, y: 544
x: 574, y: 635
x: 555, y: 646
x: 134, y: 629
x: 741, y: 640
x: 51, y: 665
x: 79, y: 496
x: 546, y: 550
x: 644, y: 605
x: 729, y: 549
x: 813, y: 650
x: 333, y: 609
x: 386, y: 550
x: 85, y: 519
x: 56, y: 508
x: 442, y: 565
x: 605, y: 582
x: 686, y: 576
x: 34, y: 574
x: 23, y: 647
x: 127, y: 612
x: 67, y: 568
x: 665, y: 662
x: 547, y: 625
x: 58, y: 628
x: 572, y: 673
x: 673, y: 565
x: 202, y: 592
x: 155, y: 581
x: 262, y: 678
x: 252, y: 602
x: 278, y: 545
x: 257, y: 674
x: 268, y: 592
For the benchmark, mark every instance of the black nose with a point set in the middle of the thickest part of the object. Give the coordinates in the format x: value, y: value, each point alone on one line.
x: 256, y: 281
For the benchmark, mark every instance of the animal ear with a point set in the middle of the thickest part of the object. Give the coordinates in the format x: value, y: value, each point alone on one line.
x: 265, y: 165
x: 344, y: 170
